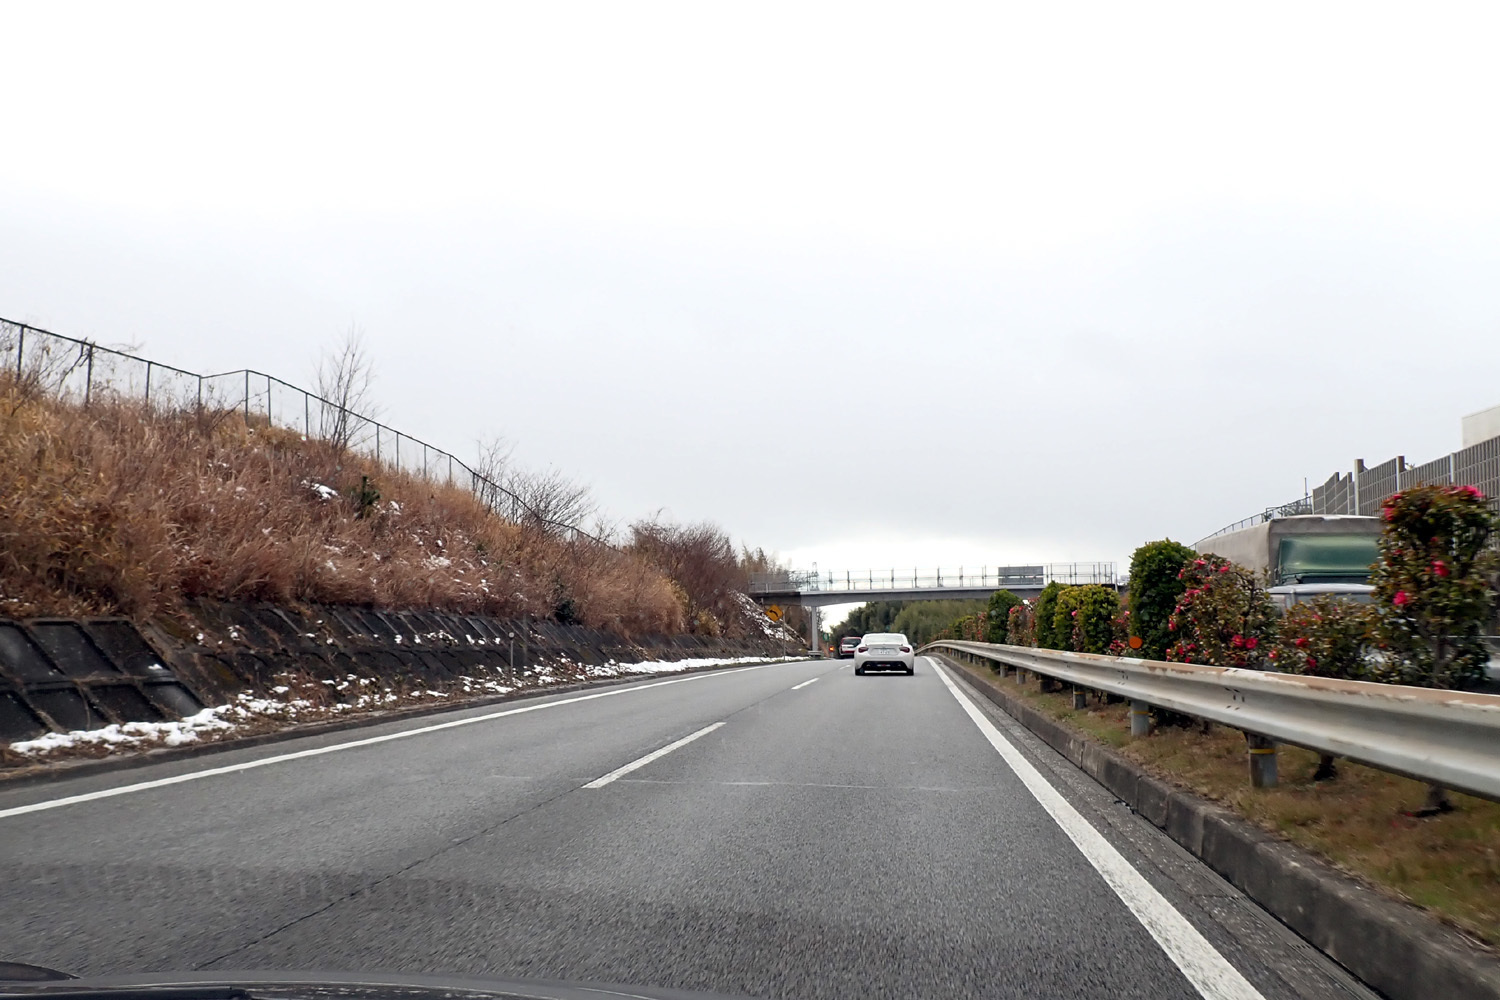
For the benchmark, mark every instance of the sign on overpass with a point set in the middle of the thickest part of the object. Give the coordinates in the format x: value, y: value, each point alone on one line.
x: 819, y: 588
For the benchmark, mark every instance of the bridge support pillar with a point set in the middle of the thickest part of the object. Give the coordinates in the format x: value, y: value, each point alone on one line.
x: 814, y: 637
x: 1262, y: 754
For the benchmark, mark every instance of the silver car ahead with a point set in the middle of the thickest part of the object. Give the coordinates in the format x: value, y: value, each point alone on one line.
x: 884, y: 651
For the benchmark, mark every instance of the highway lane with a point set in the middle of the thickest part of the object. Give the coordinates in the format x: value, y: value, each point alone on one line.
x: 820, y: 834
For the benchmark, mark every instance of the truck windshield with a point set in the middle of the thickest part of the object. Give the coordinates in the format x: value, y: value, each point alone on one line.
x: 1326, y: 558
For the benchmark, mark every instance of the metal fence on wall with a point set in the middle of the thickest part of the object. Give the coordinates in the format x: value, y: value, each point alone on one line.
x: 82, y: 372
x: 1363, y: 490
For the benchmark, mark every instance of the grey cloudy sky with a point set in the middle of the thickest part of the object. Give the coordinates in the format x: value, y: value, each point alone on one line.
x: 1129, y: 270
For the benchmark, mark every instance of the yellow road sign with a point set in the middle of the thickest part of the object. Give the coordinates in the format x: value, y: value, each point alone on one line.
x: 774, y: 612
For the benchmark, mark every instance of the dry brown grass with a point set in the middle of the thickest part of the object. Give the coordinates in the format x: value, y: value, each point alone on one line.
x: 1359, y: 821
x: 119, y: 509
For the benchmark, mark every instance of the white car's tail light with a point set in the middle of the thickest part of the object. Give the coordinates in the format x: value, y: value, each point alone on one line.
x: 863, y: 649
x: 906, y: 649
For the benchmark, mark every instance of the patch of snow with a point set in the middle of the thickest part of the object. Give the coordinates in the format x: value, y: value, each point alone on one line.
x: 325, y: 493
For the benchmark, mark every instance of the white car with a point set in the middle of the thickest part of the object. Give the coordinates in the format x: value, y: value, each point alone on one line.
x: 884, y: 651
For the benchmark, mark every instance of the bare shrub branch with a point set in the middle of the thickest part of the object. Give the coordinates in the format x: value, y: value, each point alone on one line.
x: 346, y: 376
x: 550, y: 499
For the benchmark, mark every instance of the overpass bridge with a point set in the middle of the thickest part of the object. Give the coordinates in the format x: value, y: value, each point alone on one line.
x: 816, y: 589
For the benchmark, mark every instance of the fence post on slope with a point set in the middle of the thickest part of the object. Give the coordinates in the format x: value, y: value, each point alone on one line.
x: 88, y: 379
x: 148, y: 383
x: 20, y: 350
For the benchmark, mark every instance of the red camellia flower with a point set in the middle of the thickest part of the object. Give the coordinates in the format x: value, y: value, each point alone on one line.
x: 1439, y: 568
x: 1400, y: 599
x: 1199, y: 562
x: 1252, y: 642
x: 1312, y: 661
x: 1301, y: 642
x: 1236, y: 641
x: 1224, y: 569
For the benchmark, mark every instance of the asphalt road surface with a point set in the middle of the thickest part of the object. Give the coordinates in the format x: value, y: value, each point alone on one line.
x: 781, y: 831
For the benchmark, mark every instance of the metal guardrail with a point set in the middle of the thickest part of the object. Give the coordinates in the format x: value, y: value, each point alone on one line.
x: 874, y: 580
x: 81, y: 371
x: 1447, y: 738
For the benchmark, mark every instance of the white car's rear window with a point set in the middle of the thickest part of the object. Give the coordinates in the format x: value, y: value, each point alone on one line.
x: 884, y: 639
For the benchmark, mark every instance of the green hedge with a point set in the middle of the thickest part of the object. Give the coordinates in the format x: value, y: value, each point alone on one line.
x: 1155, y: 586
x: 1084, y: 618
x: 1046, y: 604
x: 997, y: 625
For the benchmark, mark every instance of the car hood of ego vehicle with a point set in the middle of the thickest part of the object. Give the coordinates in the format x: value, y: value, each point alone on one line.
x: 38, y: 983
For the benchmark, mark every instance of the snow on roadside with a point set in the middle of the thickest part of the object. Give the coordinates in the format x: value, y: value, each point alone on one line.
x: 250, y: 714
x: 676, y: 666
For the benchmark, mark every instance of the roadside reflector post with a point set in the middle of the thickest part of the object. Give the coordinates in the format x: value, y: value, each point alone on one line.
x: 1262, y: 754
x: 1140, y: 719
x: 1080, y: 697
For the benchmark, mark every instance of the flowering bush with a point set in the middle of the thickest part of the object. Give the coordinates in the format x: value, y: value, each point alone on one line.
x: 1047, y: 636
x: 1224, y: 616
x: 1327, y: 638
x: 1022, y: 628
x: 1122, y: 629
x: 1432, y: 586
x: 1155, y: 586
x: 1084, y: 617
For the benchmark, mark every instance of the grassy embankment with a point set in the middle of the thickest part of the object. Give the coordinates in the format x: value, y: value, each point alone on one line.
x: 119, y: 509
x: 1449, y: 864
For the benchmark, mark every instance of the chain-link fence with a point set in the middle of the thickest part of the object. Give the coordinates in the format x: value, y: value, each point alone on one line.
x: 81, y: 372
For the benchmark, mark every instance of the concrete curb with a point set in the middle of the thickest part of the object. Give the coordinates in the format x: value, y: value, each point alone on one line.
x: 1394, y: 948
x: 61, y: 770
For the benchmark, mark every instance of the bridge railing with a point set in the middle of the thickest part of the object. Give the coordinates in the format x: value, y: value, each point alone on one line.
x: 942, y: 578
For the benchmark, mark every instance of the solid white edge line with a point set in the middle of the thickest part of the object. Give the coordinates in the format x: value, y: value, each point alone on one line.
x: 1202, y: 964
x: 141, y: 786
x: 640, y: 762
x: 799, y: 687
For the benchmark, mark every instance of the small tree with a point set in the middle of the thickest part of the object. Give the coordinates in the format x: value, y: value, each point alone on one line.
x: 1223, y: 618
x: 1155, y: 586
x: 1046, y: 605
x: 1432, y: 586
x: 997, y: 627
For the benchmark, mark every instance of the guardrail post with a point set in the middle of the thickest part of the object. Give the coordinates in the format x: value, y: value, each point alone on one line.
x: 1020, y: 676
x: 1262, y: 754
x: 1140, y: 719
x: 1080, y: 697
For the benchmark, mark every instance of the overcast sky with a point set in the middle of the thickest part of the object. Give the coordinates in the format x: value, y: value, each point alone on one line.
x: 865, y: 285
